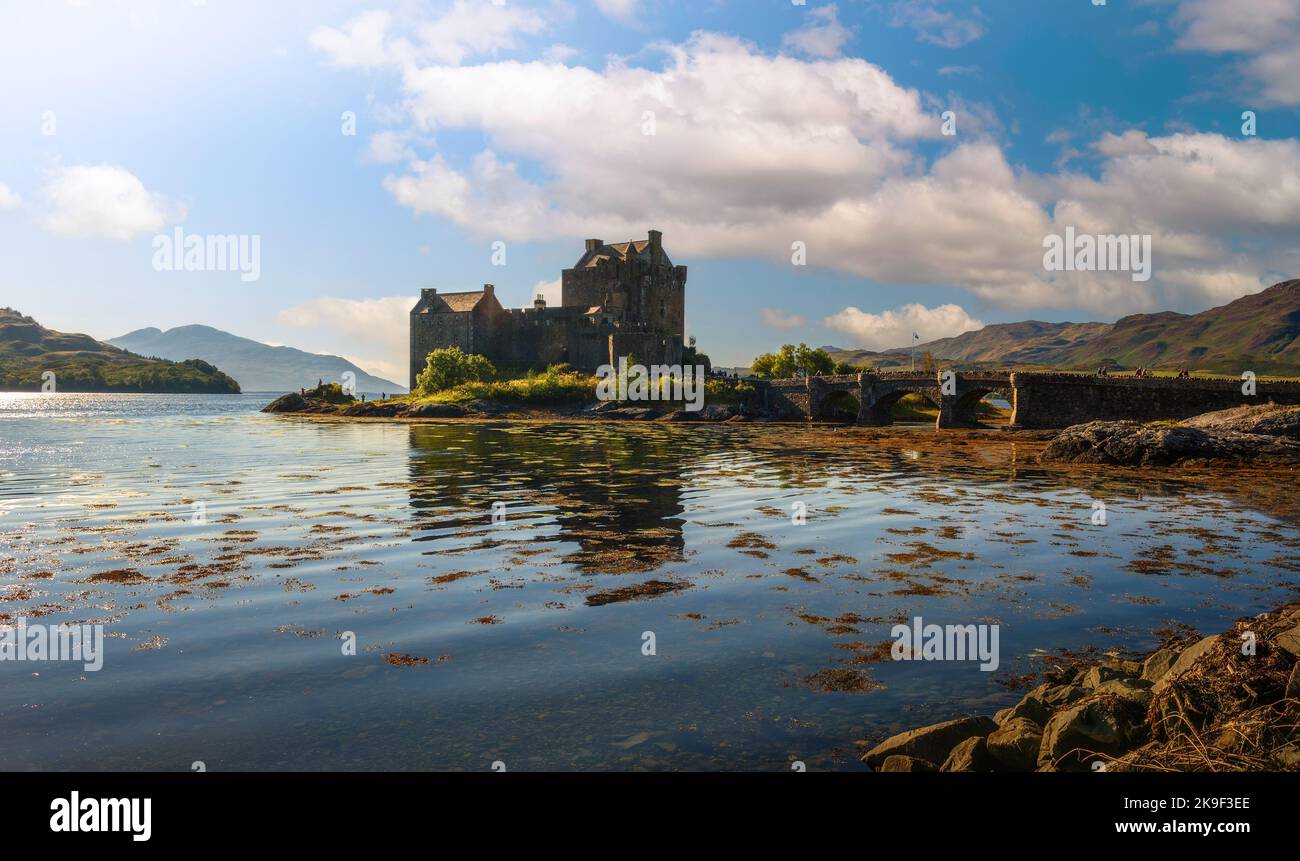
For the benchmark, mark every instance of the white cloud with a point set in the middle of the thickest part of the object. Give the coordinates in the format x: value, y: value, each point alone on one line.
x: 891, y: 329
x: 1132, y: 142
x: 822, y: 36
x: 620, y: 10
x: 779, y: 319
x: 934, y: 25
x: 8, y: 199
x: 559, y: 54
x: 548, y: 290
x: 469, y: 28
x: 376, y: 326
x: 826, y: 152
x: 1265, y: 32
x: 388, y: 147
x: 100, y: 201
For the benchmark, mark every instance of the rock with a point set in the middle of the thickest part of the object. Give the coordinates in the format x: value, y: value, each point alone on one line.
x: 1097, y: 675
x: 1289, y: 641
x: 1100, y: 724
x: 737, y: 418
x: 1030, y: 707
x: 436, y: 411
x: 1056, y: 696
x: 1155, y: 667
x: 932, y: 743
x: 486, y: 408
x: 1293, y: 683
x: 604, y: 407
x: 1135, y: 690
x: 1266, y: 419
x: 631, y: 414
x: 1127, y: 443
x: 373, y: 409
x: 717, y: 413
x: 290, y: 403
x: 1016, y: 743
x: 970, y: 755
x: 906, y: 763
x: 1186, y: 658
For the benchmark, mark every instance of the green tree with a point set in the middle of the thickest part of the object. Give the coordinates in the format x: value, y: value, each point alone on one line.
x: 790, y: 360
x: 448, y: 367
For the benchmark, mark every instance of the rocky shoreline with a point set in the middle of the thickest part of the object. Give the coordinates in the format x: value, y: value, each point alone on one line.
x: 1229, y: 702
x: 1266, y: 434
x: 307, y: 403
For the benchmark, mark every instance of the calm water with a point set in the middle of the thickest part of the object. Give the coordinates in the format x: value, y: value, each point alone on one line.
x: 224, y: 634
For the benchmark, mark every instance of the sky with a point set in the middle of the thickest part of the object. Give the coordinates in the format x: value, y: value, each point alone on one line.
x: 845, y: 173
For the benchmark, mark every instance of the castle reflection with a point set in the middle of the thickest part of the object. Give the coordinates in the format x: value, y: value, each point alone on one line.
x: 616, y: 497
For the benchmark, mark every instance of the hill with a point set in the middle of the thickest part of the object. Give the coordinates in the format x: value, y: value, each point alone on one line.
x: 258, y: 367
x: 1259, y: 332
x: 82, y: 364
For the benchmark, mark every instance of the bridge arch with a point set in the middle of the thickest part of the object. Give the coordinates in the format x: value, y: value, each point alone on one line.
x: 838, y: 405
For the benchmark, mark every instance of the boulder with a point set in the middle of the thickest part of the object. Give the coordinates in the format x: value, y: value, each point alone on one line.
x: 1159, y: 663
x: 1094, y: 677
x: 436, y: 411
x: 1186, y: 658
x: 1135, y: 690
x: 1030, y: 707
x: 373, y: 409
x: 1015, y: 744
x: 932, y: 743
x: 1126, y: 443
x: 290, y: 403
x: 1266, y: 419
x: 1100, y: 724
x: 1056, y: 696
x: 631, y: 414
x: 1289, y: 641
x: 970, y: 755
x: 898, y: 762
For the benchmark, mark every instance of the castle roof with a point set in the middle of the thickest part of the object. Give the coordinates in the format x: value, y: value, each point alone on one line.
x: 432, y: 302
x: 619, y: 251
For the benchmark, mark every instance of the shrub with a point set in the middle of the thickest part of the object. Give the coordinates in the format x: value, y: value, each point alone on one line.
x: 449, y: 367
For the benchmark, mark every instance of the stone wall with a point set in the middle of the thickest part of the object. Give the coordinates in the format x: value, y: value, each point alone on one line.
x: 1056, y: 400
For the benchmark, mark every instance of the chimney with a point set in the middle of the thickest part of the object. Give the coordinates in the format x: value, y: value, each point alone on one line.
x: 489, y: 289
x: 429, y: 291
x: 540, y: 302
x: 593, y: 244
x: 656, y: 245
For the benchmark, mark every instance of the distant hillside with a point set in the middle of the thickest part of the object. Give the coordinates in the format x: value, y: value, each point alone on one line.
x: 258, y: 367
x: 82, y: 364
x: 1260, y: 332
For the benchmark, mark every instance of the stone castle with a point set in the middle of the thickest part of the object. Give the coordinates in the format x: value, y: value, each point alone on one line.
x: 624, y: 299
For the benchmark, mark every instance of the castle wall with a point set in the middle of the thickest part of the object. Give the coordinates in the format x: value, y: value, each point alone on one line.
x: 430, y: 331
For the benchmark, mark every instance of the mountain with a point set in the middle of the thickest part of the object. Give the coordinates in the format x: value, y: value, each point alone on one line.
x: 1259, y: 332
x: 82, y: 364
x: 258, y: 367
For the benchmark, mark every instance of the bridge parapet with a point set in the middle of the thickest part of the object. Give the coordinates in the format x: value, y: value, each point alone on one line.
x: 1044, y: 399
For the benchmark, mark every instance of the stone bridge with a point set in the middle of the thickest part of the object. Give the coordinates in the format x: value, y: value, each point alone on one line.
x: 1038, y: 399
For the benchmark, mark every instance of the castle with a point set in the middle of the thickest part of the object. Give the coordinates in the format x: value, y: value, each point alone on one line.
x: 625, y: 299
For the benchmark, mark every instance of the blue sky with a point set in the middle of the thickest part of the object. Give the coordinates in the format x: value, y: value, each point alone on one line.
x: 525, y: 123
